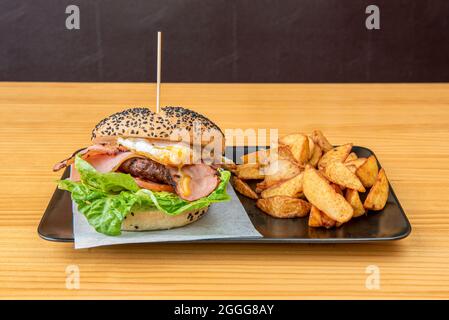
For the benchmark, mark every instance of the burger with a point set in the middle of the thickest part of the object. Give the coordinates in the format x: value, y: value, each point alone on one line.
x: 148, y: 171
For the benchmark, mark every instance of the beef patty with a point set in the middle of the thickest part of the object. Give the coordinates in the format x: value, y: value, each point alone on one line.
x: 148, y: 169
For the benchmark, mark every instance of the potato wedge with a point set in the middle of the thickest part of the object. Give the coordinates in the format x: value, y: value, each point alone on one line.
x: 338, y: 173
x: 263, y: 157
x: 352, y: 168
x: 277, y: 171
x: 284, y: 207
x: 315, y: 217
x: 321, y: 194
x: 249, y: 171
x: 318, y: 218
x: 260, y: 187
x: 284, y: 152
x: 299, y: 146
x: 259, y: 156
x: 281, y: 169
x: 243, y: 188
x: 337, y: 154
x: 290, y: 188
x: 368, y: 171
x: 311, y: 146
x: 316, y: 156
x: 337, y: 188
x: 357, y: 163
x: 320, y: 140
x: 378, y: 195
x: 352, y: 196
x: 229, y: 165
x: 351, y: 156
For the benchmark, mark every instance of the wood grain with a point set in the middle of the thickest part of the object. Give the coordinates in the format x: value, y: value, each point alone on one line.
x: 407, y: 125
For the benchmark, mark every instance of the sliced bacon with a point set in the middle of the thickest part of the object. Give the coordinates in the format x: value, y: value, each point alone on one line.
x: 203, y: 181
x: 103, y: 163
x: 74, y: 174
x: 107, y: 163
x: 145, y: 184
x: 90, y: 151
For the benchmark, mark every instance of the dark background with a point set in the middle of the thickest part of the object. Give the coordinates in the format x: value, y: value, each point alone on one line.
x: 225, y: 41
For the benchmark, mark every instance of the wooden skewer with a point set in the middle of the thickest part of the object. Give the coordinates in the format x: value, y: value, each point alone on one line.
x: 158, y: 81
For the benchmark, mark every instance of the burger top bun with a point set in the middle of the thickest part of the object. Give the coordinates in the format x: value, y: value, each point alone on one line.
x: 165, y: 125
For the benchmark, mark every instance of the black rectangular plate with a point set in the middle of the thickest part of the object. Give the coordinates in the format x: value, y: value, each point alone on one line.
x: 389, y: 224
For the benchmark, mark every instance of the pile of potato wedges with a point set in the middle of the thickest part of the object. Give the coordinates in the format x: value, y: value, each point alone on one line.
x: 307, y: 176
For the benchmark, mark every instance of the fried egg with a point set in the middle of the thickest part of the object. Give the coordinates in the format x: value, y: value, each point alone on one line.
x: 165, y: 152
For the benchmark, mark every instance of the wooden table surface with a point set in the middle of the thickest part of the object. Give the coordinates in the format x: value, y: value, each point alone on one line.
x: 407, y: 125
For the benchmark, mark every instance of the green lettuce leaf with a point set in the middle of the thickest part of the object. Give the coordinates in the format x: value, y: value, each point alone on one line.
x: 106, y: 198
x: 111, y: 182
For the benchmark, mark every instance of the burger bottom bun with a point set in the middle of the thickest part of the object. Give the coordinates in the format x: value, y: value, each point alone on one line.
x: 157, y: 220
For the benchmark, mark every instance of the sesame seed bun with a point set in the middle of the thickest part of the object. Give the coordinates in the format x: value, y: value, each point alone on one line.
x: 144, y: 123
x: 157, y: 220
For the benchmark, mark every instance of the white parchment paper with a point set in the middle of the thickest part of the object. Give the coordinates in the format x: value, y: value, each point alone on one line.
x: 224, y: 220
